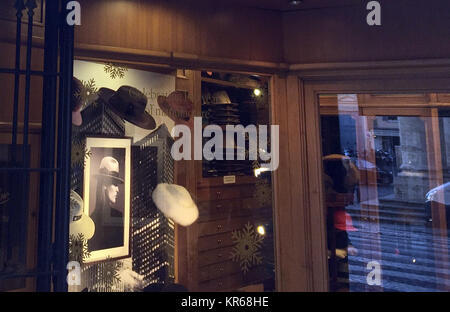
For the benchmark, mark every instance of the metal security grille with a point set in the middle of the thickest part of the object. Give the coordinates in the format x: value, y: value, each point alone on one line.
x: 55, y: 146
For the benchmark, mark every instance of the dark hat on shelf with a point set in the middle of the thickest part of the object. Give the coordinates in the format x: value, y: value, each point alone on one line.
x: 219, y: 115
x: 221, y: 105
x: 177, y: 106
x: 221, y: 97
x: 129, y: 103
x: 105, y: 94
x: 224, y: 121
x: 222, y: 108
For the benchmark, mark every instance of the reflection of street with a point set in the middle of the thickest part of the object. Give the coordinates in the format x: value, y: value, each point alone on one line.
x: 407, y: 249
x: 385, y: 190
x: 402, y: 209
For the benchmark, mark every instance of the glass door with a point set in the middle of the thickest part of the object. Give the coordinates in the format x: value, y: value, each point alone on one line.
x: 386, y: 198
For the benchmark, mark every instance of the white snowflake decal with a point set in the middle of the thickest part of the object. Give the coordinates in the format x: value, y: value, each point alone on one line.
x: 78, y: 248
x: 79, y: 154
x: 115, y: 71
x: 88, y: 94
x: 247, y: 248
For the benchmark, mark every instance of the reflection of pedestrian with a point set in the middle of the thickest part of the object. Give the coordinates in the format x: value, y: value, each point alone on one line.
x: 341, y: 177
x: 107, y: 217
x: 343, y: 224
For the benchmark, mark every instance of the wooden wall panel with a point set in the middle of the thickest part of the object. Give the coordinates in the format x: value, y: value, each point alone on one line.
x: 298, y: 244
x: 411, y: 29
x: 186, y: 237
x: 8, y: 12
x: 200, y: 28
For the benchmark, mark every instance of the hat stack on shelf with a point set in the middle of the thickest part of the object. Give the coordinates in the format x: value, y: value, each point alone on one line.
x: 219, y: 110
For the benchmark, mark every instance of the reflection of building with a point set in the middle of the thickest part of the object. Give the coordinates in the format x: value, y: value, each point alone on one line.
x: 386, y: 144
x: 152, y: 233
x: 403, y: 139
x: 412, y: 182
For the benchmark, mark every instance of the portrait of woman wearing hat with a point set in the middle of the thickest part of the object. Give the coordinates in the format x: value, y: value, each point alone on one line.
x: 108, y: 213
x: 108, y: 192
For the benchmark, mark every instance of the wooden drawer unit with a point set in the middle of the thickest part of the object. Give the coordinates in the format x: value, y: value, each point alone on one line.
x: 225, y: 203
x: 222, y: 209
x: 214, y: 241
x: 218, y: 270
x: 214, y: 256
x: 232, y: 223
x: 233, y: 281
x: 225, y: 283
x: 224, y: 192
x: 221, y: 226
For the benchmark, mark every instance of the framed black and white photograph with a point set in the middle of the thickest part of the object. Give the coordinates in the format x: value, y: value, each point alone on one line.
x: 107, y: 196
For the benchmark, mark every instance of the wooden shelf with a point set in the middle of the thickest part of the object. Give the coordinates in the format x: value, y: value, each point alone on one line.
x: 227, y: 83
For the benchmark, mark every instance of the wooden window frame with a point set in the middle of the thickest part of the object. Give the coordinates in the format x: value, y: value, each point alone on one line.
x: 301, y: 235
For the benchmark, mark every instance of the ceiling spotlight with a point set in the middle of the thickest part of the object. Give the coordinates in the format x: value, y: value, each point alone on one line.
x: 261, y: 230
x: 295, y: 2
x: 257, y: 92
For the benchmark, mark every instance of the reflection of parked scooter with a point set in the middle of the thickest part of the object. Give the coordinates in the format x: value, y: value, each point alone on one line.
x: 438, y: 195
x: 385, y: 164
x: 383, y: 168
x: 383, y: 176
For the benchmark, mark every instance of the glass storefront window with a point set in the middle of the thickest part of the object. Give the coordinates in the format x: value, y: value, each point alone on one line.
x: 385, y: 173
x: 145, y: 219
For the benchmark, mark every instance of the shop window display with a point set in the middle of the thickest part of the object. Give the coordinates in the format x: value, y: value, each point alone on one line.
x: 118, y: 144
x: 134, y: 202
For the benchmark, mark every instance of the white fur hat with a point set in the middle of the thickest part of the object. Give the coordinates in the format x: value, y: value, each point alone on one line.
x: 175, y: 202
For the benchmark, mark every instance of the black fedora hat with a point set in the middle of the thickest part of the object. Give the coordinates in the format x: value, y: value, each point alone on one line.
x: 130, y: 103
x: 105, y: 94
